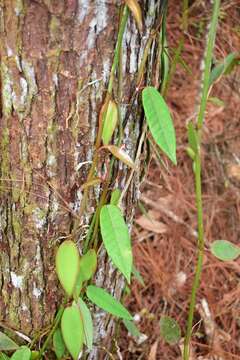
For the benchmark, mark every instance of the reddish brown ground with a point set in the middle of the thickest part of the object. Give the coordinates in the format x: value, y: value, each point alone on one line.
x: 166, y: 259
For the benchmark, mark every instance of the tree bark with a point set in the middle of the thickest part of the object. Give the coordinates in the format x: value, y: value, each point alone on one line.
x: 56, y: 59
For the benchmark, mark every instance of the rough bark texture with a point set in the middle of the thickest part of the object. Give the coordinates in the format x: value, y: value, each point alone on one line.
x: 56, y: 57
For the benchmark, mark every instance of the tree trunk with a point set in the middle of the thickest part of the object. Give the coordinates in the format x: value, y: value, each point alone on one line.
x: 56, y: 59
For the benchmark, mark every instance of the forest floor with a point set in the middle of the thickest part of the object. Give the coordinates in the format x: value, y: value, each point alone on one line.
x: 165, y: 248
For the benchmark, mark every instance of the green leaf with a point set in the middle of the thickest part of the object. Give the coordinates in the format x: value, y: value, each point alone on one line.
x: 137, y: 275
x: 67, y: 265
x: 109, y: 122
x: 169, y: 330
x: 23, y: 353
x: 115, y: 197
x: 72, y: 330
x: 116, y: 239
x: 7, y: 344
x: 192, y: 137
x: 224, y: 67
x: 87, y: 323
x: 216, y: 101
x: 160, y: 122
x: 58, y: 344
x: 4, y: 356
x: 88, y: 265
x: 106, y: 302
x: 120, y: 154
x: 132, y: 329
x: 87, y: 268
x: 34, y: 355
x: 225, y: 250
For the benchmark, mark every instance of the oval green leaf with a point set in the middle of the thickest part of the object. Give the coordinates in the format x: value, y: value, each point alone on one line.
x: 109, y: 122
x: 115, y: 197
x: 225, y: 250
x: 169, y: 330
x: 106, y: 302
x: 160, y: 122
x: 67, y: 265
x: 116, y: 239
x: 72, y: 330
x: 7, y: 344
x: 23, y: 353
x: 88, y: 265
x: 58, y: 344
x: 120, y: 154
x: 87, y: 324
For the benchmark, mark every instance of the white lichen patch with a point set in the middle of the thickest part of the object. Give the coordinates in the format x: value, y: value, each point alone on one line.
x: 6, y: 90
x: 29, y: 73
x: 17, y: 280
x: 55, y: 79
x: 18, y: 7
x: 83, y: 10
x: 101, y: 14
x: 9, y: 51
x: 39, y: 218
x: 37, y: 292
x: 24, y: 307
x: 20, y: 100
x: 92, y: 34
x: 51, y: 160
x: 106, y: 70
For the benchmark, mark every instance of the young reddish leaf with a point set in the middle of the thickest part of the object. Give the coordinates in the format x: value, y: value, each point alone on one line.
x: 87, y: 323
x: 116, y: 238
x: 136, y: 11
x: 67, y: 265
x: 121, y: 155
x: 72, y: 330
x: 160, y: 122
x: 106, y: 302
x: 109, y: 122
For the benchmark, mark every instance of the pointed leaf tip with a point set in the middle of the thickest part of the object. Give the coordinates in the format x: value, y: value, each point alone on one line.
x: 106, y: 302
x: 136, y: 11
x: 121, y: 155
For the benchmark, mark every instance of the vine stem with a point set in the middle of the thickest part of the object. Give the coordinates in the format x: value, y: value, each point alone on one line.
x: 50, y: 335
x: 117, y: 52
x: 198, y: 185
